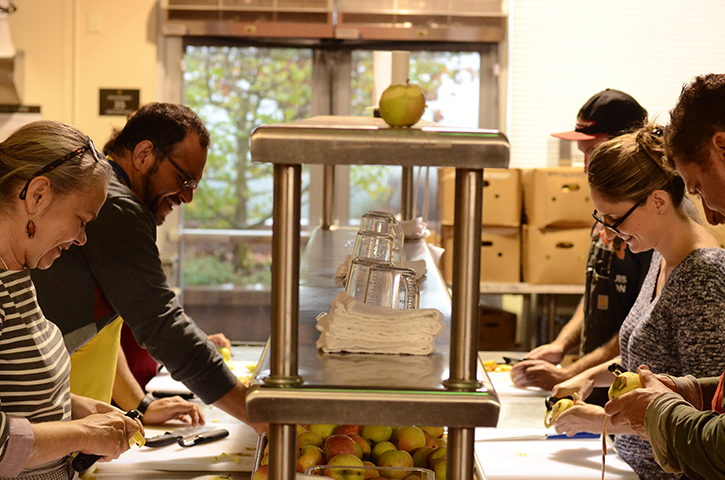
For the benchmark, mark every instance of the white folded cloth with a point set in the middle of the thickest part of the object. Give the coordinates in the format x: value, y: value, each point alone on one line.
x: 344, y: 268
x: 415, y: 229
x: 354, y: 327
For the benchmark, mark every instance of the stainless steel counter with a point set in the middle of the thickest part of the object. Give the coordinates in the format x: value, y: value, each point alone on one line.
x: 368, y: 389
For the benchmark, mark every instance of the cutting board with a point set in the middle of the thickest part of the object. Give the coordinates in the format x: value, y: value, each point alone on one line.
x: 241, y: 442
x: 505, y: 387
x: 572, y: 459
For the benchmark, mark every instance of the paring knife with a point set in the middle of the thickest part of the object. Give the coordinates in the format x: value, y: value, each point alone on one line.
x: 543, y: 436
x: 169, y: 438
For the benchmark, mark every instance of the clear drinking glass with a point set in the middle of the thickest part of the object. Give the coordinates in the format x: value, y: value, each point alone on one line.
x: 376, y: 247
x: 384, y: 223
x: 382, y: 285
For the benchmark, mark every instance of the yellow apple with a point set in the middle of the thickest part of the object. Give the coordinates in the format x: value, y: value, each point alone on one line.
x: 624, y: 383
x: 410, y: 439
x: 376, y: 433
x: 398, y: 459
x: 342, y: 467
x: 402, y: 105
x: 556, y: 410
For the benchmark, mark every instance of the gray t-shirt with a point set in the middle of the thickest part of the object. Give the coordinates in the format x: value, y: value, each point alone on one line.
x: 119, y: 272
x: 679, y: 332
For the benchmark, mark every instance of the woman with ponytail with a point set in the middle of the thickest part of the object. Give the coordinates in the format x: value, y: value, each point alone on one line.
x: 677, y: 324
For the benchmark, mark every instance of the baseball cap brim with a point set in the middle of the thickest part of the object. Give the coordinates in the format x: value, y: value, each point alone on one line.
x: 574, y: 135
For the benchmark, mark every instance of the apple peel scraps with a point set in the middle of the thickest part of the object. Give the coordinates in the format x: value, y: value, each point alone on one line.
x: 232, y: 457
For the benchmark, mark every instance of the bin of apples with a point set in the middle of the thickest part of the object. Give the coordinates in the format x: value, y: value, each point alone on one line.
x: 347, y: 452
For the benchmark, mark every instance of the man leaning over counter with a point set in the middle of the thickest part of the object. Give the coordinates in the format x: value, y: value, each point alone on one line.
x: 158, y: 159
x: 682, y: 417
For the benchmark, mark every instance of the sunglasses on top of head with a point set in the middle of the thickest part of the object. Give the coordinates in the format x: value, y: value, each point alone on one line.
x: 614, y: 226
x: 97, y: 156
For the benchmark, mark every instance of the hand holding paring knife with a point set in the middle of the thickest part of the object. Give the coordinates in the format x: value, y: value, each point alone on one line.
x: 83, y: 461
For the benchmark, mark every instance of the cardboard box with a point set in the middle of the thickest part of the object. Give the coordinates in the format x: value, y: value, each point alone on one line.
x: 500, y: 255
x: 717, y: 231
x: 501, y: 196
x: 557, y: 197
x: 496, y: 329
x: 555, y: 256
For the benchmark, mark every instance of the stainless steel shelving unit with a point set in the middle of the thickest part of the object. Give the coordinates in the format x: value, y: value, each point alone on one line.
x: 296, y: 384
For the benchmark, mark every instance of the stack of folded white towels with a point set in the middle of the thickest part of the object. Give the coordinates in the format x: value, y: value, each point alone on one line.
x: 354, y: 327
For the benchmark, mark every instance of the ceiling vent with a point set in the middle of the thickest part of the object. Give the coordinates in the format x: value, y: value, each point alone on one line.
x: 399, y: 20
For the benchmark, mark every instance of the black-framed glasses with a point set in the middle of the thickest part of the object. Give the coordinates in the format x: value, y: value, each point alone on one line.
x: 614, y: 226
x: 189, y: 181
x: 57, y: 163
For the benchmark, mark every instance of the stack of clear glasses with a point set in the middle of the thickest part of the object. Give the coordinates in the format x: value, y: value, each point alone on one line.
x: 377, y: 276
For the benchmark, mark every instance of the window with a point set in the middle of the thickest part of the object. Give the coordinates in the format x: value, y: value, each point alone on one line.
x: 226, y: 231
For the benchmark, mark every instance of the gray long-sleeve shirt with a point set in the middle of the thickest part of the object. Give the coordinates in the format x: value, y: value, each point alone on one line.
x: 679, y: 331
x: 119, y: 272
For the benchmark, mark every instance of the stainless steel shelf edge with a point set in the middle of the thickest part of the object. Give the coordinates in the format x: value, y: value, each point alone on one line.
x: 369, y: 407
x: 339, y: 140
x: 372, y: 389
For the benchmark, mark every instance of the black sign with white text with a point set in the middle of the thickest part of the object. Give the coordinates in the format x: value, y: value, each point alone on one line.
x: 118, y: 101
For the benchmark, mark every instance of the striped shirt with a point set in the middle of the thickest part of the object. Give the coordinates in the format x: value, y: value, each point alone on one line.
x: 34, y: 364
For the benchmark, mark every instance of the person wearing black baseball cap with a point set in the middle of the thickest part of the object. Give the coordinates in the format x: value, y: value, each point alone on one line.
x: 614, y: 274
x: 606, y: 115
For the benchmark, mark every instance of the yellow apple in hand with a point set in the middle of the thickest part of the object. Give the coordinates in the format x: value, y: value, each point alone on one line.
x: 556, y: 410
x: 402, y: 105
x: 624, y: 383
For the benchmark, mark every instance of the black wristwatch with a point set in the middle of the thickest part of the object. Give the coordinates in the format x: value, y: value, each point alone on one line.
x: 145, y: 404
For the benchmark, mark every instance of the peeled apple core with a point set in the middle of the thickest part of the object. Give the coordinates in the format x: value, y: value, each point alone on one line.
x: 560, y: 406
x: 137, y: 439
x: 624, y: 383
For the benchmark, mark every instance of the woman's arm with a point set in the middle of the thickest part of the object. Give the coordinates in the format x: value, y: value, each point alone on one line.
x: 584, y: 383
x: 99, y: 434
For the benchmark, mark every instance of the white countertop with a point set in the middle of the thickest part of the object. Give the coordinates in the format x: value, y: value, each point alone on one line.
x: 522, y: 414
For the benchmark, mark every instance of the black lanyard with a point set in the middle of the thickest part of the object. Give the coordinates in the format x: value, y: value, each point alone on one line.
x: 120, y: 172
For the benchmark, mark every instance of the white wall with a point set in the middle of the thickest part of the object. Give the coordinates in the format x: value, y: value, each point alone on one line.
x: 564, y: 51
x: 75, y: 47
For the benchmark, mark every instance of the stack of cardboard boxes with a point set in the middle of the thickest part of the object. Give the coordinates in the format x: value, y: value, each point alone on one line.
x: 501, y: 234
x: 557, y: 232
x: 546, y: 242
x: 500, y: 246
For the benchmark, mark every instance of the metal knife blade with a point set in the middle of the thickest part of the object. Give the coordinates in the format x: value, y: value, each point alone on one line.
x: 162, y: 440
x: 205, y: 437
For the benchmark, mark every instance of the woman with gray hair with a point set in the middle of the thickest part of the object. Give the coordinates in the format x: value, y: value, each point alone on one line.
x: 52, y: 182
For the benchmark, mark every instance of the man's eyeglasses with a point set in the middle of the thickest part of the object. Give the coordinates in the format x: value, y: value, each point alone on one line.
x: 57, y: 163
x: 614, y: 226
x: 189, y: 181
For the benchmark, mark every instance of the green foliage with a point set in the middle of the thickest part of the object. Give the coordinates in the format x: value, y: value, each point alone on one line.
x: 224, y: 266
x: 235, y: 90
